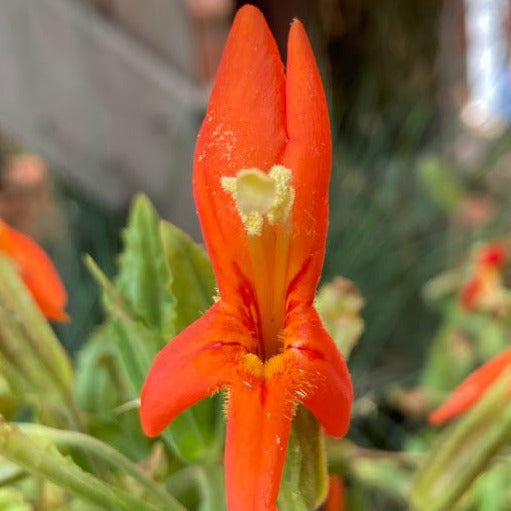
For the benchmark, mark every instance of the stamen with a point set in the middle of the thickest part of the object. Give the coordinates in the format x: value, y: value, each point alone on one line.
x: 284, y: 194
x: 259, y: 195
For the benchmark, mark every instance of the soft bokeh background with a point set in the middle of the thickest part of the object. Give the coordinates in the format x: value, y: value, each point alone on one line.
x: 100, y: 99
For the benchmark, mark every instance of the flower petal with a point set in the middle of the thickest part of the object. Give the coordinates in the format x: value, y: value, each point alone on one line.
x: 323, y: 381
x: 199, y: 361
x: 244, y: 128
x: 259, y: 423
x: 309, y: 156
x: 471, y: 389
x: 37, y: 271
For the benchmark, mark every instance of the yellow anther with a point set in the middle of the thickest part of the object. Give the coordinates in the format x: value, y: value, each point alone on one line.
x: 259, y: 195
x: 284, y: 194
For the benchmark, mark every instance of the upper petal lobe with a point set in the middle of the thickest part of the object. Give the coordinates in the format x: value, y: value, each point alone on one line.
x: 244, y: 128
x: 309, y: 155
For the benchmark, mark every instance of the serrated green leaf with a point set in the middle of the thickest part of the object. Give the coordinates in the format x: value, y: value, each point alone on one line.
x: 305, y: 479
x: 193, y: 434
x: 144, y: 279
x: 137, y: 345
x: 136, y: 349
x: 193, y: 285
x: 193, y: 281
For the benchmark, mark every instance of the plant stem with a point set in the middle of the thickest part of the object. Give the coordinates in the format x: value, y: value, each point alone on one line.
x: 42, y: 459
x: 114, y: 458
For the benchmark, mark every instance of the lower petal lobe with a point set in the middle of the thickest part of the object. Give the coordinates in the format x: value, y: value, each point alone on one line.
x: 260, y: 413
x: 322, y: 380
x: 262, y: 402
x: 198, y: 362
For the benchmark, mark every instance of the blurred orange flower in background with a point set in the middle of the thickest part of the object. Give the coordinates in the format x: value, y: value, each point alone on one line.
x: 483, y: 290
x: 472, y: 389
x: 336, y: 500
x: 37, y: 271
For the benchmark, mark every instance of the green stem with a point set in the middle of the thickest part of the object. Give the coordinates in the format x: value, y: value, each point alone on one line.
x: 464, y: 451
x: 42, y: 460
x: 343, y: 452
x: 106, y: 453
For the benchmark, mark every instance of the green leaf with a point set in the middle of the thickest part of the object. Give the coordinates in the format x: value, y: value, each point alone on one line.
x: 305, y: 479
x: 144, y: 279
x: 193, y: 281
x: 165, y: 283
x: 193, y: 435
x: 103, y: 391
x: 99, y: 388
x: 137, y: 344
x: 193, y: 285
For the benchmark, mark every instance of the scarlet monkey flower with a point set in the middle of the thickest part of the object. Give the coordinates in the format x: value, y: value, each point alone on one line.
x: 483, y: 291
x: 37, y: 271
x: 261, y: 174
x: 471, y: 390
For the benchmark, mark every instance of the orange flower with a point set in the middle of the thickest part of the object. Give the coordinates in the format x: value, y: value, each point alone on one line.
x: 37, y: 271
x: 483, y: 289
x: 336, y: 500
x: 472, y: 389
x: 262, y: 168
